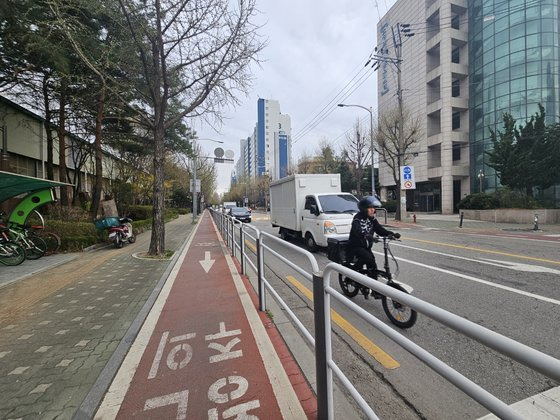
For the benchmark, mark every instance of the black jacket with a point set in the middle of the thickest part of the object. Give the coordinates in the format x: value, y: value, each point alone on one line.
x: 362, y: 231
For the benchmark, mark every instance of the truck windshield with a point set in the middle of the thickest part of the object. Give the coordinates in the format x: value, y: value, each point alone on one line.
x: 341, y: 203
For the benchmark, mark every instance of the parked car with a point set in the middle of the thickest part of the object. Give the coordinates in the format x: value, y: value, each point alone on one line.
x: 241, y: 213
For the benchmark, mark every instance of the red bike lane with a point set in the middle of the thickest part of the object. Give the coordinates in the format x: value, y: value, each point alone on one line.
x: 202, y: 359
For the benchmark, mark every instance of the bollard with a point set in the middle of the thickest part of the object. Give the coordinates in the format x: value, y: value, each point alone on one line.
x: 321, y: 356
x: 536, y: 225
x: 461, y: 219
x: 414, y: 217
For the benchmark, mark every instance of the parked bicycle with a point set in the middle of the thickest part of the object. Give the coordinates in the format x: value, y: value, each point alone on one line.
x: 39, y: 229
x: 400, y: 315
x: 10, y: 252
x: 34, y: 246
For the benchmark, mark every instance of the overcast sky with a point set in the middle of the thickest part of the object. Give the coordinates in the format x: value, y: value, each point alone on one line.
x: 314, y: 49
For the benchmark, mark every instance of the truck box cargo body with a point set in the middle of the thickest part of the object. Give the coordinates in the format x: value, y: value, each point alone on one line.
x: 311, y: 206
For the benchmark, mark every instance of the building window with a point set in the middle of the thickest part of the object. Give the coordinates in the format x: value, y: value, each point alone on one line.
x: 456, y: 152
x: 455, y: 22
x: 456, y: 88
x: 456, y: 55
x: 456, y: 121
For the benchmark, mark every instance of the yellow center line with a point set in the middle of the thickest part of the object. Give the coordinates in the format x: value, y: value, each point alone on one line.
x: 487, y: 251
x: 251, y: 246
x: 373, y: 349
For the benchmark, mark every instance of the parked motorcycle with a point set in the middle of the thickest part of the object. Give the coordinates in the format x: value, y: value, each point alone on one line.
x: 122, y: 233
x: 120, y: 229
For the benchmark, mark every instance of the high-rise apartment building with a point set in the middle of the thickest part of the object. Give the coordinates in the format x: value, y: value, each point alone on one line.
x: 268, y: 150
x: 467, y: 64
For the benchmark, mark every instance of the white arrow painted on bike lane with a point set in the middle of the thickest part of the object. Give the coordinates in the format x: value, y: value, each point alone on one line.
x: 207, y: 263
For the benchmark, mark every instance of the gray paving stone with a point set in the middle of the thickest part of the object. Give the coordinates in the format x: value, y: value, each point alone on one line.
x: 70, y: 382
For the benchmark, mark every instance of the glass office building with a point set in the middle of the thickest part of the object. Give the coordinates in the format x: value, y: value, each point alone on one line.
x: 513, y: 66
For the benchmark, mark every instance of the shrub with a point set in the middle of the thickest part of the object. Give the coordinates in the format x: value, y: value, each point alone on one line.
x: 500, y: 199
x: 182, y: 210
x: 70, y: 213
x: 390, y: 205
x: 138, y: 212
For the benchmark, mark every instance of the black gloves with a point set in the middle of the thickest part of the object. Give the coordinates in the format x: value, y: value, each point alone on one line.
x: 395, y: 235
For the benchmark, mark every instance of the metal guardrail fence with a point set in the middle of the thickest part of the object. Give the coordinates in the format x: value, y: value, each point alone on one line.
x: 322, y: 342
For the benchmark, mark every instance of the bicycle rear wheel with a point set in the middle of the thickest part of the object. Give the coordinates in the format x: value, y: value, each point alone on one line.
x: 53, y: 242
x: 11, y: 254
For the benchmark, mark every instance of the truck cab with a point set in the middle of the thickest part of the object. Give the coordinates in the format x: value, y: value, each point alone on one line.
x: 327, y: 216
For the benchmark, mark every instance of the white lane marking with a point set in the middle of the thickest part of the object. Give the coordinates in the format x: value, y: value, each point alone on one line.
x: 477, y: 280
x: 523, y: 267
x: 499, y: 236
x: 496, y: 263
x: 553, y: 236
x: 114, y: 397
x: 545, y: 405
x: 207, y: 262
x: 286, y: 397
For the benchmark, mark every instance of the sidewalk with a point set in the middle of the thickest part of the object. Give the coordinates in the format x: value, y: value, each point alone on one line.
x: 60, y: 328
x: 451, y: 223
x: 204, y: 351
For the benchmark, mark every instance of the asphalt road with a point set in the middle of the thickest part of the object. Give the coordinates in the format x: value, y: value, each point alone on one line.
x: 509, y: 285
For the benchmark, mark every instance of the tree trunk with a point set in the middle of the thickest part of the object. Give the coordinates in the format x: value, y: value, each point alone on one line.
x: 96, y: 199
x: 48, y: 129
x: 62, y: 143
x: 157, y: 241
x: 398, y: 198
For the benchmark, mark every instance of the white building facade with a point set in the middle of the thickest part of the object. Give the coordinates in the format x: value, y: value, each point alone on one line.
x: 435, y: 86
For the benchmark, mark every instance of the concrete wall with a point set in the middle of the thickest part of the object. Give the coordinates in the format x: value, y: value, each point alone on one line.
x: 521, y: 216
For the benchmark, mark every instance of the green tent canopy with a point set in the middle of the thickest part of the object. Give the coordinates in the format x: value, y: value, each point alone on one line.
x: 12, y: 185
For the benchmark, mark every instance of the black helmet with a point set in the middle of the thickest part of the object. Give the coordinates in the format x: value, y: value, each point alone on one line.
x: 368, y: 203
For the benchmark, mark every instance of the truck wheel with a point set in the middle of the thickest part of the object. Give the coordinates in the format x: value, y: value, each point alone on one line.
x: 284, y: 234
x: 310, y: 243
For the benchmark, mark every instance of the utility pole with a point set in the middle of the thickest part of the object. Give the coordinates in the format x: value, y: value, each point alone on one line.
x: 397, y: 42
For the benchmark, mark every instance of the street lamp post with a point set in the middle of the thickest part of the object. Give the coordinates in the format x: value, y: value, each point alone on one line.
x: 195, y: 189
x: 480, y: 180
x: 370, y: 110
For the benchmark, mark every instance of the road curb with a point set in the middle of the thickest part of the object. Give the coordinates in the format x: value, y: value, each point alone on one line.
x: 94, y: 397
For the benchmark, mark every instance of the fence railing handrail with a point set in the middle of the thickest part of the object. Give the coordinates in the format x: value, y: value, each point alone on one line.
x: 325, y: 366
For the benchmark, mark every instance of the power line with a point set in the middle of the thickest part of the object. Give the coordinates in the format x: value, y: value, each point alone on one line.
x: 327, y: 110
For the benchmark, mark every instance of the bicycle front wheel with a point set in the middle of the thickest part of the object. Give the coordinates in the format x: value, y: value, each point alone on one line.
x: 400, y: 315
x: 11, y: 254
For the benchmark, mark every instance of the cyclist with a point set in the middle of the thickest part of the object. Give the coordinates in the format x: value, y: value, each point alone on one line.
x: 364, y: 226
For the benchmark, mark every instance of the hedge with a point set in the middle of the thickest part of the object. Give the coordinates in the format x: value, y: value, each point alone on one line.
x: 500, y: 199
x: 75, y: 236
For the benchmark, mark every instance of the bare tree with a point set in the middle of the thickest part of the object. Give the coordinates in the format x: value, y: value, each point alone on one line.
x: 357, y: 152
x: 304, y: 163
x: 395, y: 146
x: 194, y: 57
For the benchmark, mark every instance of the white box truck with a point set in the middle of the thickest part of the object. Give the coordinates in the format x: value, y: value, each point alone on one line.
x: 312, y: 206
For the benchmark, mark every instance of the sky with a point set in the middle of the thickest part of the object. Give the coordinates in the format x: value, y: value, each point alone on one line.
x: 314, y: 49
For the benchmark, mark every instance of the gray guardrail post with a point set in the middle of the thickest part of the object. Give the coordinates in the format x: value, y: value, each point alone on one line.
x: 321, y: 366
x: 260, y: 274
x: 242, y: 246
